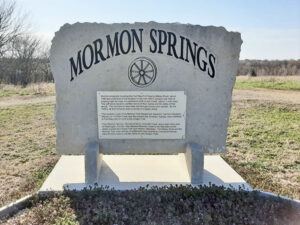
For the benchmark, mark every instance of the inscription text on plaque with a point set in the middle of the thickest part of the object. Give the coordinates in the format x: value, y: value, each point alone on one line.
x: 141, y: 114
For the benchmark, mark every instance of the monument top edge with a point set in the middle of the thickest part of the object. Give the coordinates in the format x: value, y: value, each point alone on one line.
x: 220, y: 28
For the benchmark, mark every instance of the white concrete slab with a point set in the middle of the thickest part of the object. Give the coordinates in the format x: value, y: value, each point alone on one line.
x: 124, y: 172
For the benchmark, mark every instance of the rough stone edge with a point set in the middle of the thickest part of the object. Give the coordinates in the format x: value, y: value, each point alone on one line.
x: 69, y: 25
x: 13, y: 208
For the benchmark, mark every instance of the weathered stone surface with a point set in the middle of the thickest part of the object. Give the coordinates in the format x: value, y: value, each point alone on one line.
x: 203, y: 62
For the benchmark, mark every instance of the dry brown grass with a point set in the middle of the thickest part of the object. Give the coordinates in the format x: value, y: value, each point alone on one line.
x: 270, y: 82
x: 46, y: 89
x: 27, y: 149
x: 264, y: 146
x: 36, y: 89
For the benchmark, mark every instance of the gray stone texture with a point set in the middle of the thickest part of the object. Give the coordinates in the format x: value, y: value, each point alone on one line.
x: 92, y: 161
x: 208, y: 99
x: 194, y: 157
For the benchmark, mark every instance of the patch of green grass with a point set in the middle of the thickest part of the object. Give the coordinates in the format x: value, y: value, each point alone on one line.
x: 15, y: 92
x: 271, y: 83
x: 264, y: 147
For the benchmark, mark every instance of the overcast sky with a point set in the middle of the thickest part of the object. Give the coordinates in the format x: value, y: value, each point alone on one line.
x: 270, y: 28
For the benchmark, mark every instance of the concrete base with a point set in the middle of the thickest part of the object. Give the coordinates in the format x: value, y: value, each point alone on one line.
x: 123, y: 172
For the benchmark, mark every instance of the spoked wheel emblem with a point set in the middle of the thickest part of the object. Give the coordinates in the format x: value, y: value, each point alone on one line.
x: 142, y: 72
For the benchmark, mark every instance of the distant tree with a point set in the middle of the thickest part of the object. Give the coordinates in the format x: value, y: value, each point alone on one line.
x: 11, y: 24
x: 43, y: 71
x: 25, y: 50
x: 269, y: 67
x: 253, y: 73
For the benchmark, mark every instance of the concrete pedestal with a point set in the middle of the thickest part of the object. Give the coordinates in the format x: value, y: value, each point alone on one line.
x: 92, y: 162
x: 194, y: 157
x: 123, y: 172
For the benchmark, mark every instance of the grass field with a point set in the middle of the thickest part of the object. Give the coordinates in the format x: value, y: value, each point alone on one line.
x: 263, y: 144
x: 242, y: 82
x: 27, y: 149
x: 270, y: 82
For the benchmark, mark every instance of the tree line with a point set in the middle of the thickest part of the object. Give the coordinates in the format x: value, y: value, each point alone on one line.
x: 266, y: 67
x: 25, y: 69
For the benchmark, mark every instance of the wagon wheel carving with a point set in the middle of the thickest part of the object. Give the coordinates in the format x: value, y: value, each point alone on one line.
x: 142, y: 72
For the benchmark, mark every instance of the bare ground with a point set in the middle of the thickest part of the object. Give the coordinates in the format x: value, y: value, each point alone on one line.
x: 18, y: 100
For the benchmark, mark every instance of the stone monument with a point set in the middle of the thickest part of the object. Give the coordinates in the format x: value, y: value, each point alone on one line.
x: 143, y: 88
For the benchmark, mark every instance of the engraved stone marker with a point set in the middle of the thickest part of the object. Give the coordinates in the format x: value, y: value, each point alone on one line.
x: 160, y: 87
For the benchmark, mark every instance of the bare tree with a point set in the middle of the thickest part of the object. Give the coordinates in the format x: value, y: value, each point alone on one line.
x: 10, y: 24
x: 25, y: 49
x: 44, y: 69
x: 272, y: 67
